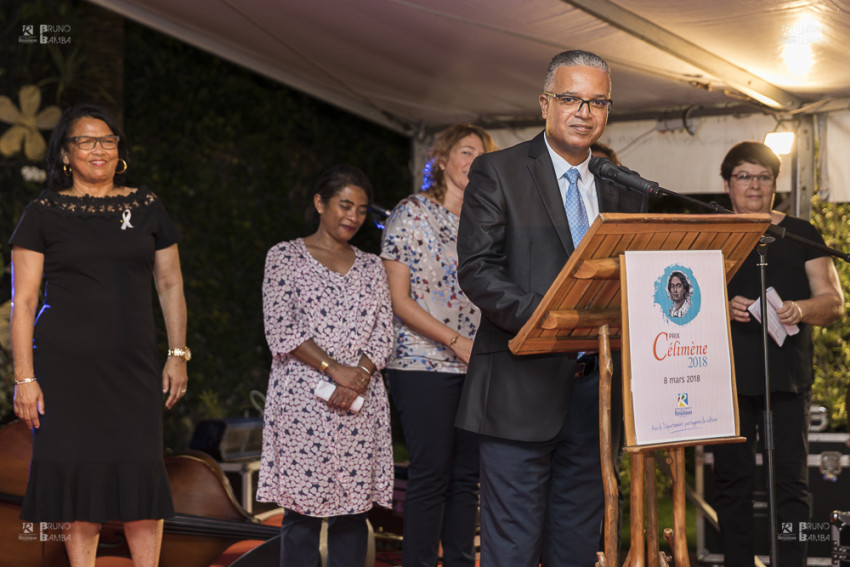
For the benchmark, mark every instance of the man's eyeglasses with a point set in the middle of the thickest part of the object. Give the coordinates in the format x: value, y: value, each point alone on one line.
x: 746, y: 178
x: 89, y: 142
x: 574, y: 103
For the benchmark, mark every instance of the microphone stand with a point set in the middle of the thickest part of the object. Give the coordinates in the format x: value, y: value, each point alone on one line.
x: 761, y: 249
x: 631, y: 180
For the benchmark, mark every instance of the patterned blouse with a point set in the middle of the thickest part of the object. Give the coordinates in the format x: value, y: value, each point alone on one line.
x: 319, y: 461
x: 422, y: 234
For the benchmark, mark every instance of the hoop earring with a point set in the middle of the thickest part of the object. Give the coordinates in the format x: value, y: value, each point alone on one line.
x: 124, y: 170
x: 66, y: 169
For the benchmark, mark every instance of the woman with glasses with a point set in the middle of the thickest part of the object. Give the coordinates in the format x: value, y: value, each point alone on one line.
x: 434, y: 327
x: 807, y: 282
x: 88, y: 378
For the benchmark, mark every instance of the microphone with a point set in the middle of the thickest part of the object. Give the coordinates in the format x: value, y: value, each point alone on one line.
x: 378, y: 209
x: 622, y: 175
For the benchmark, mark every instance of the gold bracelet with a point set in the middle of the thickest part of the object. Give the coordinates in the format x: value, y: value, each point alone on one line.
x: 364, y: 369
x: 324, y: 366
x: 454, y: 339
x: 25, y: 380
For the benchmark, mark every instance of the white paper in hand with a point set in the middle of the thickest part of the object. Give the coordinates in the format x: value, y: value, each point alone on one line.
x: 774, y: 327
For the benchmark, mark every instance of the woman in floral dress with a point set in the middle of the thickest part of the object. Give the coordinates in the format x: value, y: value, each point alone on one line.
x: 328, y: 322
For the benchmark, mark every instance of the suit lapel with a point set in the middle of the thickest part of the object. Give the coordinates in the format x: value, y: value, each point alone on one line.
x: 543, y: 172
x: 607, y: 196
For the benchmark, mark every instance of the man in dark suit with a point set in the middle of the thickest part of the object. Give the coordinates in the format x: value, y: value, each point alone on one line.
x: 536, y: 416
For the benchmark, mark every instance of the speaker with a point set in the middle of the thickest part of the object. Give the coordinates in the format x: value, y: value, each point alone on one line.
x: 229, y: 439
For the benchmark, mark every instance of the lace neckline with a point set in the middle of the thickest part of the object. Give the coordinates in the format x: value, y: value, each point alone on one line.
x: 88, y: 205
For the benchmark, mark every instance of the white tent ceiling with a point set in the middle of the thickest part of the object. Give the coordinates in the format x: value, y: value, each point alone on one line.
x: 409, y: 64
x: 417, y: 65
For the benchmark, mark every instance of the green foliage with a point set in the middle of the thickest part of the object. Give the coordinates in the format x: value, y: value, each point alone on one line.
x: 832, y: 343
x: 664, y: 498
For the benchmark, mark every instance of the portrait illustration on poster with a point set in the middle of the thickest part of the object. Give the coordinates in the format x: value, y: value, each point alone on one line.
x: 677, y: 294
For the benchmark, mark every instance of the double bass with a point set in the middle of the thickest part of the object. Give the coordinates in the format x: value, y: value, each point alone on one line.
x: 208, y: 518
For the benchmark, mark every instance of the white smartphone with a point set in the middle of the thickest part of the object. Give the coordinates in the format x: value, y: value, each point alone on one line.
x: 325, y: 389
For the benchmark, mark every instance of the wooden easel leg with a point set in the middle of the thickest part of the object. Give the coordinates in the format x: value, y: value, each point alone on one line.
x: 651, y: 510
x: 637, y: 551
x: 680, y: 538
x: 609, y: 479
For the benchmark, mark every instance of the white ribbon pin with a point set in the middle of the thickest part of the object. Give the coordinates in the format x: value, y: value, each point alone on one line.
x: 125, y: 220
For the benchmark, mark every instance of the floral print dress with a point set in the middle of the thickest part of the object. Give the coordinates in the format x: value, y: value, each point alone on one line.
x: 316, y: 460
x: 422, y: 235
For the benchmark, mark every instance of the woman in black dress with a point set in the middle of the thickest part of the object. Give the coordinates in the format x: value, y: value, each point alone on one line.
x: 808, y: 284
x: 87, y: 376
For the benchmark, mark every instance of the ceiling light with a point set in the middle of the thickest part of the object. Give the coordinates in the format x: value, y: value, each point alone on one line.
x: 780, y: 142
x: 796, y: 51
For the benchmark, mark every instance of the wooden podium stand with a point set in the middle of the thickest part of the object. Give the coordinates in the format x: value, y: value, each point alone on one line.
x: 582, y: 311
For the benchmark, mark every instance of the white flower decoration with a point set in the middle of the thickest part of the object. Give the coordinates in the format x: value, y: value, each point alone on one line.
x: 33, y: 174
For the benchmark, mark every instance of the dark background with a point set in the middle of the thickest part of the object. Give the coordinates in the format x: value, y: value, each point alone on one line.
x: 232, y: 155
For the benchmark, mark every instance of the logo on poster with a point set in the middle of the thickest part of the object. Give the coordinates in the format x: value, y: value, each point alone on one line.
x: 683, y: 406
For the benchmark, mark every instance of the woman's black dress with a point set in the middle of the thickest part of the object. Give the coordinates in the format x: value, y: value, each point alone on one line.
x: 98, y: 455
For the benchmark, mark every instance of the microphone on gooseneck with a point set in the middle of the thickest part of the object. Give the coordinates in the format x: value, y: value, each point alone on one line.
x: 622, y: 175
x: 378, y: 209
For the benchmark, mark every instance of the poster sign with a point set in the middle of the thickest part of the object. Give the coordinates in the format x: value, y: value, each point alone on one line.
x: 680, y: 359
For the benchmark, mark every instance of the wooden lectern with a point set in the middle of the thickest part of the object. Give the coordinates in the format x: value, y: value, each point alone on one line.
x: 582, y: 311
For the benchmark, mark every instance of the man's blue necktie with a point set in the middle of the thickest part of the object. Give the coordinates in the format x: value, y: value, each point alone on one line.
x: 576, y: 213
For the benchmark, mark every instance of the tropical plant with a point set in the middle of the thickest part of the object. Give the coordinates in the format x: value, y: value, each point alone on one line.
x: 832, y: 342
x: 26, y: 123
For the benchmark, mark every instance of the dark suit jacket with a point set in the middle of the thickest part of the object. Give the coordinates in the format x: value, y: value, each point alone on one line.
x: 513, y: 241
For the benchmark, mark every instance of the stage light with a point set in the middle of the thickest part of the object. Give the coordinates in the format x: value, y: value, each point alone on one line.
x: 780, y: 142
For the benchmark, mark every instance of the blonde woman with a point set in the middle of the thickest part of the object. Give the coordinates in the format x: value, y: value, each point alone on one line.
x: 434, y: 327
